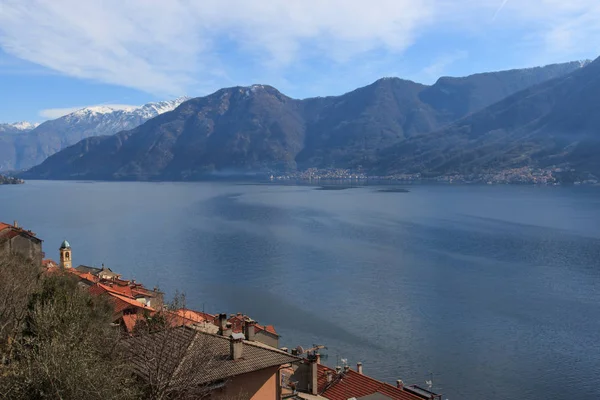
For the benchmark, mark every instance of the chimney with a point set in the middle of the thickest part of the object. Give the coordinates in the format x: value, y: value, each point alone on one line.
x: 318, y: 357
x: 16, y: 224
x: 338, y: 370
x: 399, y: 384
x: 285, y: 349
x: 329, y: 376
x: 228, y: 331
x: 346, y: 368
x: 314, y: 383
x: 359, y: 368
x: 221, y: 322
x: 236, y: 346
x: 250, y: 330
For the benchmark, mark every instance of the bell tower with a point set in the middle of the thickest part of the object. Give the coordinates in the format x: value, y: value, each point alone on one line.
x: 65, y: 255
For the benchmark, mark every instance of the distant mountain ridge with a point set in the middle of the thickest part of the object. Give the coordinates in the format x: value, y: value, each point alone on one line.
x: 17, y: 127
x: 551, y: 124
x: 258, y: 128
x: 52, y: 136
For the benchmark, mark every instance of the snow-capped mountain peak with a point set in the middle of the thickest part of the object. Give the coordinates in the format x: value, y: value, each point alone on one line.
x: 17, y: 127
x: 24, y: 125
x: 145, y: 111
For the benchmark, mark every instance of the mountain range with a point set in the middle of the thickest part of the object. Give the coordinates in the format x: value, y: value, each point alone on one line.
x: 17, y: 127
x: 392, y: 125
x: 34, y: 143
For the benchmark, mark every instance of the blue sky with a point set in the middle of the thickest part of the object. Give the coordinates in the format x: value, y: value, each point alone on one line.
x: 60, y: 55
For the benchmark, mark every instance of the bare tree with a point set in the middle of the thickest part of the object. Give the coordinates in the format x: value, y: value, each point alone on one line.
x: 67, y: 349
x: 170, y: 359
x: 19, y: 278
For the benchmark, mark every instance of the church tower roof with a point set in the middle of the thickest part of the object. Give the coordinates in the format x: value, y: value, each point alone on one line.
x: 65, y: 245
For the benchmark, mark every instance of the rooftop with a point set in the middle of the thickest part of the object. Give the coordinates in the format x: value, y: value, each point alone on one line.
x: 210, y: 351
x: 350, y: 384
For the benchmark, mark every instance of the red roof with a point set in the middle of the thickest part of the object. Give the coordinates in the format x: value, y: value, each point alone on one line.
x: 15, y: 231
x: 122, y: 290
x: 49, y: 263
x: 197, y: 316
x: 129, y: 321
x: 352, y: 384
x: 237, y: 324
x: 121, y: 302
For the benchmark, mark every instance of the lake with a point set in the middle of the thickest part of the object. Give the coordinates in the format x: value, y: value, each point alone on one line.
x: 492, y: 291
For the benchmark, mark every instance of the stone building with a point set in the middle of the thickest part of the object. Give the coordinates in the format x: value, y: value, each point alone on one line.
x: 16, y: 240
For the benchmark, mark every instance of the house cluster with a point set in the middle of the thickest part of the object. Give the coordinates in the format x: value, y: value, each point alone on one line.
x: 228, y: 356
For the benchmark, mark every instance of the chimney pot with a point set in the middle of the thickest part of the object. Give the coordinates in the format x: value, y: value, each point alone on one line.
x: 346, y: 368
x: 236, y: 346
x: 16, y: 224
x: 359, y: 368
x: 250, y: 329
x: 399, y: 384
x: 318, y: 357
x: 338, y: 369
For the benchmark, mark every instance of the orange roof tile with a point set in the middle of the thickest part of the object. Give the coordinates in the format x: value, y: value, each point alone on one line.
x: 129, y: 301
x: 3, y: 226
x: 129, y: 321
x: 122, y: 290
x: 352, y: 384
x: 197, y: 316
x: 121, y: 302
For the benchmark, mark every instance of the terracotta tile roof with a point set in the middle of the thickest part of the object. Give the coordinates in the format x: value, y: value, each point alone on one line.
x: 49, y: 263
x: 237, y: 324
x: 268, y: 328
x: 352, y: 384
x: 10, y: 231
x: 122, y: 290
x: 209, y: 351
x: 130, y: 302
x: 129, y: 321
x: 142, y: 291
x: 121, y: 302
x: 197, y: 316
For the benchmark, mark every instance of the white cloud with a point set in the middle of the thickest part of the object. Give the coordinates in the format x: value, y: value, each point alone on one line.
x: 53, y: 113
x: 165, y: 46
x: 170, y: 47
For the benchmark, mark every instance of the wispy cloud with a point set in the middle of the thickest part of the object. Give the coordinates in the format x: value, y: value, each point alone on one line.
x: 181, y: 46
x: 164, y: 47
x: 53, y: 113
x: 499, y: 9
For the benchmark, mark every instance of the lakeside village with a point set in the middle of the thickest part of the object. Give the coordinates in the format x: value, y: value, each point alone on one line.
x: 9, y: 180
x: 523, y: 175
x: 246, y: 356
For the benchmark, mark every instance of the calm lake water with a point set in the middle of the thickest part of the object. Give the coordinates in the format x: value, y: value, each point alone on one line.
x: 492, y: 290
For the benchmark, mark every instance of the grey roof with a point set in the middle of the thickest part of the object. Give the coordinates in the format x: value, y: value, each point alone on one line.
x: 96, y: 271
x: 86, y: 269
x: 199, y: 357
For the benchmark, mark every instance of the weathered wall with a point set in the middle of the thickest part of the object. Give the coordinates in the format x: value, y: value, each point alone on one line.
x: 259, y: 385
x: 26, y: 246
x: 267, y: 338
